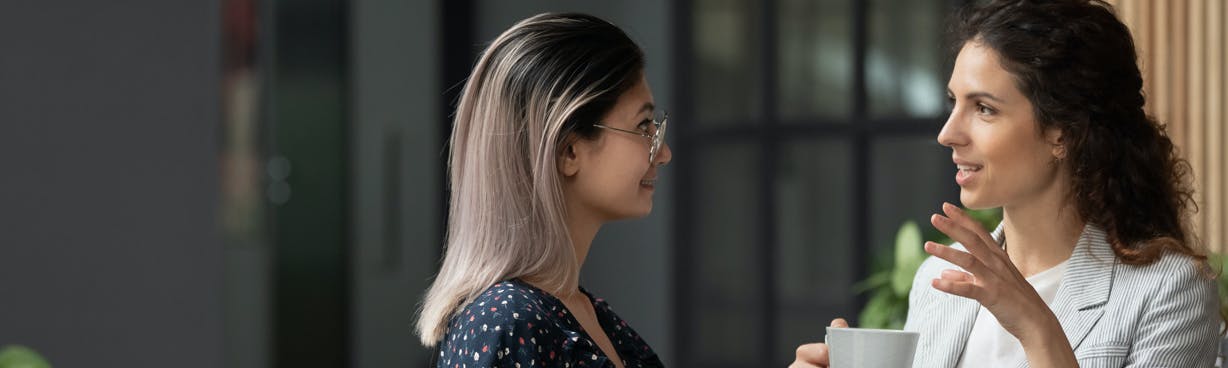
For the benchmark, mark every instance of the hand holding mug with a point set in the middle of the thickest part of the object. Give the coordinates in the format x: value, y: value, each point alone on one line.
x: 815, y: 355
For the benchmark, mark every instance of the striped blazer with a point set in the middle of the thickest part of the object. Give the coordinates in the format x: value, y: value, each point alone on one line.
x: 1165, y: 314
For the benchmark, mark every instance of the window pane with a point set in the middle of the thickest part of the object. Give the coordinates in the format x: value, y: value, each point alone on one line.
x: 816, y: 59
x: 905, y: 75
x: 726, y: 248
x: 726, y: 87
x: 910, y: 178
x: 815, y: 261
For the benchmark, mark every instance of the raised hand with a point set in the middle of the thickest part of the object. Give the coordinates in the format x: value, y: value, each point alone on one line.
x: 990, y: 278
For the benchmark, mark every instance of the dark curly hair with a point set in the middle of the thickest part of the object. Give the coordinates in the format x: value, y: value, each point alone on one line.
x: 1076, y: 63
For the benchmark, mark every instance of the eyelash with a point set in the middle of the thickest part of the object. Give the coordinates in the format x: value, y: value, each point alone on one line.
x: 981, y: 108
x: 644, y: 125
x: 984, y: 109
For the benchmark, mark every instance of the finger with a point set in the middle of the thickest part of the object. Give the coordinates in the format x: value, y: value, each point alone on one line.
x: 839, y: 322
x: 964, y: 260
x: 815, y: 354
x: 953, y: 275
x: 965, y: 289
x: 960, y: 217
x: 958, y: 233
x: 975, y: 239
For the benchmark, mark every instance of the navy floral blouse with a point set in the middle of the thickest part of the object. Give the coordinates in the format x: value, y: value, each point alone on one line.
x: 514, y: 324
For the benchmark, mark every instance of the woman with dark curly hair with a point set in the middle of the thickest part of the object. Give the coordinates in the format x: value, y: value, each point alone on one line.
x: 1093, y: 264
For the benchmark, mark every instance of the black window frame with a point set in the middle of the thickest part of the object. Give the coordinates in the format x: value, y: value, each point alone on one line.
x: 769, y: 132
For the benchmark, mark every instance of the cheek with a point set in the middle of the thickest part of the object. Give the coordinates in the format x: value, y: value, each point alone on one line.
x: 1020, y: 166
x: 625, y: 163
x: 624, y: 177
x: 617, y: 171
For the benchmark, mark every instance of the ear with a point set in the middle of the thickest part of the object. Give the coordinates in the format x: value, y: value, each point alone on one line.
x: 1054, y: 137
x: 569, y: 158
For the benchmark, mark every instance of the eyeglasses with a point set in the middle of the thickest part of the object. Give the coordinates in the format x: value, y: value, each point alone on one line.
x: 656, y: 134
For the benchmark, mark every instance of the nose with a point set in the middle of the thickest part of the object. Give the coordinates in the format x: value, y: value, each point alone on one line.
x: 952, y: 133
x: 664, y: 154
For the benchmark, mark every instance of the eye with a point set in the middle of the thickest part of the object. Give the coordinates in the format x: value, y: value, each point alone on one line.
x: 984, y: 109
x: 645, y: 126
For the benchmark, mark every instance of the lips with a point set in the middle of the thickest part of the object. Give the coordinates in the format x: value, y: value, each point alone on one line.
x: 648, y: 182
x: 965, y: 171
x: 968, y: 168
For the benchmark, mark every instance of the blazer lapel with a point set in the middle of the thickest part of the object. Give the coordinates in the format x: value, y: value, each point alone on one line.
x: 1085, y: 286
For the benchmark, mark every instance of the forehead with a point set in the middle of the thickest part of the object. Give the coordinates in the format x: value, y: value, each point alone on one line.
x: 978, y: 68
x: 633, y: 102
x: 637, y: 95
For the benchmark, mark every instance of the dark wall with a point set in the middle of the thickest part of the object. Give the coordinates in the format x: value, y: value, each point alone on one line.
x: 109, y: 115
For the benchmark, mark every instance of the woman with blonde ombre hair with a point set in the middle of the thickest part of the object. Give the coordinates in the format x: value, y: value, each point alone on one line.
x: 555, y: 135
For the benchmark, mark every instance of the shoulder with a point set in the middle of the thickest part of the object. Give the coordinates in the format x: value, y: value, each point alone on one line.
x: 505, y: 323
x: 508, y: 296
x: 1170, y: 307
x: 506, y: 304
x: 1173, y: 273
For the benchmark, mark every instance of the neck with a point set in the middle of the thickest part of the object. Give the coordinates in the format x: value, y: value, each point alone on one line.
x: 1042, y: 233
x: 583, y: 228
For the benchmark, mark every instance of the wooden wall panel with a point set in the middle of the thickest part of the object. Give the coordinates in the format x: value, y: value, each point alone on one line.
x: 1182, y: 52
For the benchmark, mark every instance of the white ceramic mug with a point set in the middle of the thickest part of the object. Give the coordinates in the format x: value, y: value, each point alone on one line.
x: 870, y: 348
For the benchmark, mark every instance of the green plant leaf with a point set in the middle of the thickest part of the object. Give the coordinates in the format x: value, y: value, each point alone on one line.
x: 1219, y: 264
x: 899, y: 313
x: 989, y: 217
x: 17, y: 356
x: 909, y: 253
x: 876, y: 280
x: 877, y: 313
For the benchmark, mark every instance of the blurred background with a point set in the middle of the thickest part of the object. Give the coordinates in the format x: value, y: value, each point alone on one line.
x: 260, y: 183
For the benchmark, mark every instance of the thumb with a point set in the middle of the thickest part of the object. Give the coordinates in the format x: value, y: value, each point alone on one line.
x: 839, y: 322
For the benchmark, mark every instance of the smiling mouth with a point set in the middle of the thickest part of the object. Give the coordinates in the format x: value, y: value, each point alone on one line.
x: 648, y: 182
x: 968, y: 169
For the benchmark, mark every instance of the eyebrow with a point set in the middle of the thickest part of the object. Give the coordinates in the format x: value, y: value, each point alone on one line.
x: 977, y: 94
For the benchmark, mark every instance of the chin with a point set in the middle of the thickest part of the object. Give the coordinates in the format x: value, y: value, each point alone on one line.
x: 972, y: 201
x: 643, y: 211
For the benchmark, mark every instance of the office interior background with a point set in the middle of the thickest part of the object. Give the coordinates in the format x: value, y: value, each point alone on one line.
x: 260, y: 183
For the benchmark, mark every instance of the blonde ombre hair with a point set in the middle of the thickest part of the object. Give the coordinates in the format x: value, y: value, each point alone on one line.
x: 539, y: 85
